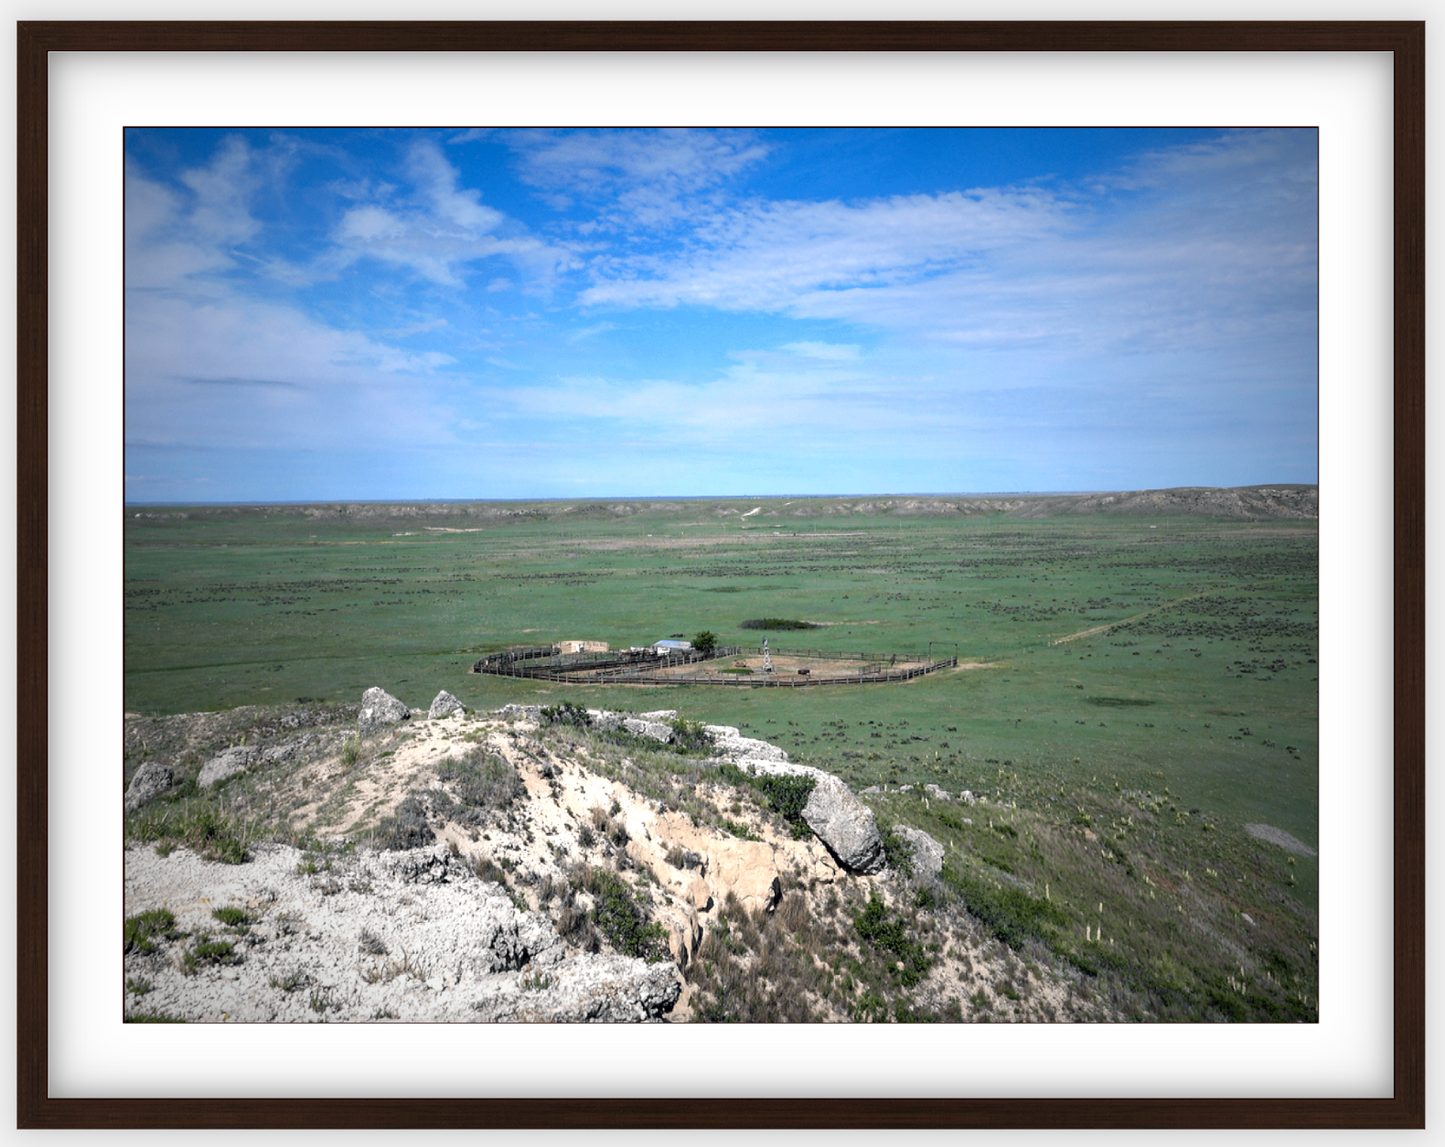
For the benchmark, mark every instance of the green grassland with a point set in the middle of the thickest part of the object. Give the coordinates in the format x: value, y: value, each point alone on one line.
x: 1123, y: 764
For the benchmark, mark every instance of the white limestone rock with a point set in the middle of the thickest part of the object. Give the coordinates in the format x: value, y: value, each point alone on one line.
x: 584, y: 989
x: 728, y: 742
x: 444, y: 705
x: 927, y: 852
x: 846, y: 825
x: 234, y: 760
x: 379, y: 708
x: 150, y: 780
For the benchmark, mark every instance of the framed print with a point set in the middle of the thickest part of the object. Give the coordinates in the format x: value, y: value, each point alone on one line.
x: 1356, y: 88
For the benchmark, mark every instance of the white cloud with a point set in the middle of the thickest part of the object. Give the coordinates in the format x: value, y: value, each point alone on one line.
x: 441, y: 228
x: 838, y: 352
x: 1212, y: 245
x: 769, y: 256
x: 646, y: 178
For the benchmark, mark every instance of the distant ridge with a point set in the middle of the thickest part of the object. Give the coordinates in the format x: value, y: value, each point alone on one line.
x: 1239, y: 503
x: 1245, y: 503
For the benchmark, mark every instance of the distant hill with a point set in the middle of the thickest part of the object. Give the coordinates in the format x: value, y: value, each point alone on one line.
x: 1240, y: 503
x: 1245, y: 503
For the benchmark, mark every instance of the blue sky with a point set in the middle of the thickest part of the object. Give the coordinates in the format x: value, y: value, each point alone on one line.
x: 408, y: 314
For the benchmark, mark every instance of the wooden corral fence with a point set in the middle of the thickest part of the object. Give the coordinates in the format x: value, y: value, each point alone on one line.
x: 546, y: 664
x: 625, y: 667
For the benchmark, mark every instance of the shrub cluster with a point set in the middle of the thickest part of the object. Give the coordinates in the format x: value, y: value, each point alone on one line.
x: 566, y: 713
x: 897, y: 852
x: 874, y: 925
x: 482, y: 783
x: 405, y: 828
x: 621, y: 918
x: 776, y: 623
x: 785, y: 795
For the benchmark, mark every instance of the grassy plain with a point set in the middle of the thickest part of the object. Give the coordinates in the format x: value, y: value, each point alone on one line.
x: 1145, y: 686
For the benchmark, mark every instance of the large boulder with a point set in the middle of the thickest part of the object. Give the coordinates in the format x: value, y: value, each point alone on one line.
x: 444, y: 705
x: 927, y: 852
x: 150, y: 780
x: 846, y: 825
x: 378, y: 708
x: 234, y: 760
x: 584, y: 989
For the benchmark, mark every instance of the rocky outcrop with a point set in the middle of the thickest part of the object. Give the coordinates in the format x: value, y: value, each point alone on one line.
x: 434, y: 864
x: 240, y: 758
x: 927, y: 852
x: 641, y: 727
x: 728, y: 742
x: 444, y: 705
x: 234, y: 760
x: 287, y: 751
x: 150, y: 780
x: 584, y: 989
x: 372, y: 937
x: 846, y: 825
x: 379, y: 708
x: 516, y: 712
x: 760, y: 767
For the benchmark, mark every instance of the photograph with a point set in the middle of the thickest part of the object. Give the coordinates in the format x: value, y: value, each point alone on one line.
x: 764, y: 575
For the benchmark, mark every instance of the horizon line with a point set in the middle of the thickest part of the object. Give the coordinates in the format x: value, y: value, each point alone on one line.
x: 709, y: 497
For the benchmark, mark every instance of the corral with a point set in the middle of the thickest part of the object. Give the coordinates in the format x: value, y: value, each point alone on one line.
x: 726, y: 665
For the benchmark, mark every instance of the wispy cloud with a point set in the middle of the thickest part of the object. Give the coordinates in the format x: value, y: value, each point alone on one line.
x: 836, y: 352
x: 639, y: 179
x: 780, y: 256
x: 590, y: 332
x: 440, y: 228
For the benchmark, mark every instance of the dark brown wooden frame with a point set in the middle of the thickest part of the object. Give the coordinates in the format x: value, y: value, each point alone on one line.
x: 1406, y: 40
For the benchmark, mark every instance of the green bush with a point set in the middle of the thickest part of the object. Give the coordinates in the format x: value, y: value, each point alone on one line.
x: 896, y: 851
x: 704, y: 642
x: 690, y: 737
x: 566, y: 714
x: 232, y: 916
x: 621, y: 919
x: 776, y: 623
x: 889, y: 933
x: 142, y: 931
x: 785, y: 795
x: 215, y: 952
